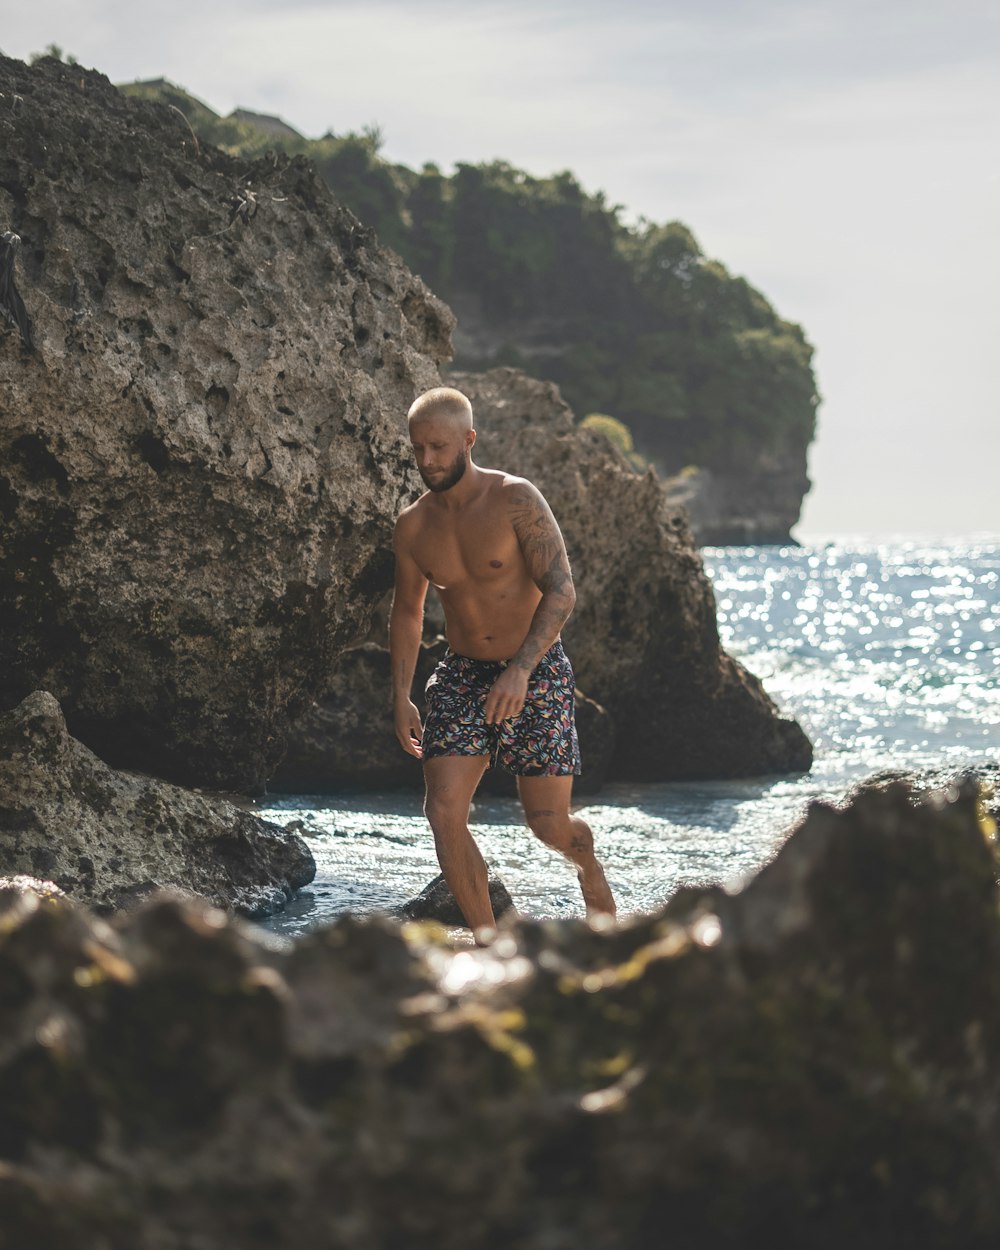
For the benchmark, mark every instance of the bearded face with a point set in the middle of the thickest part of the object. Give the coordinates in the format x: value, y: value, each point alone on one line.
x: 438, y: 480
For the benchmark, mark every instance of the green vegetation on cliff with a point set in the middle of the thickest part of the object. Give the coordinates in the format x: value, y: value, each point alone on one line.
x: 632, y: 321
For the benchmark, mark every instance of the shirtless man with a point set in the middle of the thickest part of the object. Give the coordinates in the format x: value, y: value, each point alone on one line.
x: 489, y: 545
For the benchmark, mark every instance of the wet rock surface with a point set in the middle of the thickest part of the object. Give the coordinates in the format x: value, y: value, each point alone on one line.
x: 943, y: 778
x: 202, y: 459
x: 815, y: 1061
x: 109, y: 838
x: 436, y: 902
x: 643, y: 637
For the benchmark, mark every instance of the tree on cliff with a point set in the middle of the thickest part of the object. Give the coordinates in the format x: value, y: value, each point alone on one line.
x: 633, y: 321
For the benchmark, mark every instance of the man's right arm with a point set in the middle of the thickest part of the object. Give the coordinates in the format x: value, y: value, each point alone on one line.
x: 406, y: 619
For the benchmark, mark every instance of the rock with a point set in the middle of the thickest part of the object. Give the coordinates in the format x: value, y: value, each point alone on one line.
x: 921, y: 782
x: 436, y: 902
x: 109, y: 838
x: 347, y: 740
x: 643, y: 637
x: 822, y: 1045
x: 201, y: 463
x: 757, y: 505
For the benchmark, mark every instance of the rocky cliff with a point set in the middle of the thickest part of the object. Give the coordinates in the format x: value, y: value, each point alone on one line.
x: 201, y: 460
x: 814, y: 1061
x: 759, y: 504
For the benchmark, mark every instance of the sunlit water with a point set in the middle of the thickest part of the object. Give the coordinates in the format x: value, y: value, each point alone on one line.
x: 887, y: 652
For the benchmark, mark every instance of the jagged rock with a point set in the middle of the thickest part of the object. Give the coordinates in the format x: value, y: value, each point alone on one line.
x: 109, y: 838
x: 346, y: 739
x: 823, y: 1045
x: 201, y: 463
x: 436, y: 902
x: 643, y: 637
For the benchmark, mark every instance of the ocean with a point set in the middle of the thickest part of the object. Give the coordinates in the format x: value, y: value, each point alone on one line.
x: 886, y: 650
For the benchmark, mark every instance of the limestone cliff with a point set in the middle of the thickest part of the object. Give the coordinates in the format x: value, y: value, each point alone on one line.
x: 759, y: 504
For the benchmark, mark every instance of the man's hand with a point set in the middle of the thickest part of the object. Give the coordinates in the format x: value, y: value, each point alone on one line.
x: 507, y: 695
x: 409, y: 730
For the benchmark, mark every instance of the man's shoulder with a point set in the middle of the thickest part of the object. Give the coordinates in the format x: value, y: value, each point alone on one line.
x: 413, y: 511
x: 512, y: 487
x: 408, y: 521
x: 512, y: 495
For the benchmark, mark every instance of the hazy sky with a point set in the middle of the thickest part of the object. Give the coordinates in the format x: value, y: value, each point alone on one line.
x: 841, y: 155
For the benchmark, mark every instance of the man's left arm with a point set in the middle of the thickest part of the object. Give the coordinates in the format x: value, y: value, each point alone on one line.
x: 544, y: 553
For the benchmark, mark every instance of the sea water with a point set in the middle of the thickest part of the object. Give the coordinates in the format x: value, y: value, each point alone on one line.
x: 887, y: 651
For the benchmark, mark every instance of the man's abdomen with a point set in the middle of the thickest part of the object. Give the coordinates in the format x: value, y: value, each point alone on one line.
x: 490, y: 626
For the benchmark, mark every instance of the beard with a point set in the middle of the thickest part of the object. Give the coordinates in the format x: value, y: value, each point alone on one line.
x: 446, y: 480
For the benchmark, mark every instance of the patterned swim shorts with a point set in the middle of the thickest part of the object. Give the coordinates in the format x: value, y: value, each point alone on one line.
x: 540, y: 742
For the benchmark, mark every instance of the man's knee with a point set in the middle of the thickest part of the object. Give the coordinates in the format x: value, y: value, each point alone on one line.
x: 550, y: 825
x: 446, y: 811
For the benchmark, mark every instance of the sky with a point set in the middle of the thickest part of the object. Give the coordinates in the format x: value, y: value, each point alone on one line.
x: 841, y: 155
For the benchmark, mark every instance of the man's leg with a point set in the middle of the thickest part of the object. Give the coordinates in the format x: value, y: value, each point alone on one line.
x: 546, y: 809
x: 451, y: 782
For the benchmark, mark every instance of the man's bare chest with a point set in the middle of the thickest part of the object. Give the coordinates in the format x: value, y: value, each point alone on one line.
x: 467, y: 550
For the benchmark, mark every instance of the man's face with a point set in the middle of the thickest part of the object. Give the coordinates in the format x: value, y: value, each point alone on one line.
x: 441, y: 452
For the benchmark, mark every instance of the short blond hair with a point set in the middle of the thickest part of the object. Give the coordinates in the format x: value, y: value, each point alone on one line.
x: 442, y: 401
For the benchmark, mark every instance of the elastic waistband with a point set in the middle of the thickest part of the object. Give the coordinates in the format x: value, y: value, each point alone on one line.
x: 555, y: 649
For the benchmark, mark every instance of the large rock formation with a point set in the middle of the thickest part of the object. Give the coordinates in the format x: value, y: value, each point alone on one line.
x: 812, y: 1062
x: 110, y: 838
x: 643, y: 637
x: 201, y: 461
x: 657, y: 697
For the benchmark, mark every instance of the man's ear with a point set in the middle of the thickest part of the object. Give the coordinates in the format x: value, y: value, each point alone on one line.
x: 470, y: 439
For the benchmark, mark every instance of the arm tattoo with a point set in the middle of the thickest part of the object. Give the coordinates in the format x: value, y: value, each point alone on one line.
x: 545, y: 555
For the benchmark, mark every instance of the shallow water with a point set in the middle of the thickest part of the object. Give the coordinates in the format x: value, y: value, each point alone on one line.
x: 886, y: 651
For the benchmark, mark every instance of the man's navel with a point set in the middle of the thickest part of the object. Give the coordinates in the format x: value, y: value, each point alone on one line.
x: 496, y: 564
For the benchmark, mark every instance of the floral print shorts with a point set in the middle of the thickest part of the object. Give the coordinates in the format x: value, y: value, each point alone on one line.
x: 540, y: 742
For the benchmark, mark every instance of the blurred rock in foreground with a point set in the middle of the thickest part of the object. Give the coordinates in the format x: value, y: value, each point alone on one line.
x: 814, y: 1062
x: 109, y: 838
